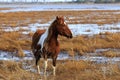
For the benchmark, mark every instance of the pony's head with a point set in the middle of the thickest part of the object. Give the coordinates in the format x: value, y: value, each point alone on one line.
x: 62, y: 28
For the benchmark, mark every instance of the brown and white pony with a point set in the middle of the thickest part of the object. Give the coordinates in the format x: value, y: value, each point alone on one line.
x: 45, y: 43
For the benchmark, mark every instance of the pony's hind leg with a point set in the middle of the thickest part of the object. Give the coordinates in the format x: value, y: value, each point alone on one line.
x: 37, y: 60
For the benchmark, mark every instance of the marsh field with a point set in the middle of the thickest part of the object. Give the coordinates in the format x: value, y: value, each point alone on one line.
x: 92, y: 54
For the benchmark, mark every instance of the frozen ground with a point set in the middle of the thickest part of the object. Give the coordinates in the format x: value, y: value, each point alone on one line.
x: 64, y: 56
x: 77, y: 29
x: 62, y: 6
x: 83, y: 29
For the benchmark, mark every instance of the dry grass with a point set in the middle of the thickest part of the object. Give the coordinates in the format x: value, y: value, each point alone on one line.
x: 111, y: 53
x: 10, y: 70
x: 83, y: 44
x: 74, y: 17
x: 66, y: 70
x: 83, y: 70
x: 15, y: 41
x: 5, y: 8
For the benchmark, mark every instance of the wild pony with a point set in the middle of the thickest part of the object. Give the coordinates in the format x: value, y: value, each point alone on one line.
x: 45, y: 43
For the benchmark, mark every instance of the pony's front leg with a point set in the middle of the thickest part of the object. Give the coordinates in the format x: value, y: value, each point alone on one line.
x: 54, y: 66
x: 38, y: 68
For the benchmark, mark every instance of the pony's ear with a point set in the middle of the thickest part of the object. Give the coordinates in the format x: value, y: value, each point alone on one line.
x: 57, y: 17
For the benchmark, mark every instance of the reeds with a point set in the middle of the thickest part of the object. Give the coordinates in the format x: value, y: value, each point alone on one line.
x: 78, y: 17
x: 11, y: 41
x: 10, y: 70
x: 111, y: 53
x: 84, y: 44
x: 66, y: 70
x: 15, y: 41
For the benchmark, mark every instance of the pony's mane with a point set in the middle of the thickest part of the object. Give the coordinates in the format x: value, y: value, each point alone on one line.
x: 50, y: 29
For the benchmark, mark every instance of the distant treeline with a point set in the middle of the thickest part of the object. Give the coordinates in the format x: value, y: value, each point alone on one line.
x: 98, y: 1
x: 78, y: 1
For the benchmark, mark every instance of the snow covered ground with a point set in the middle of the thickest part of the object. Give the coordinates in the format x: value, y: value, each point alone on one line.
x: 77, y: 29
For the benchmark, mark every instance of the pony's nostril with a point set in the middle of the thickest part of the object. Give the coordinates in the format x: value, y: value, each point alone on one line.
x: 71, y: 36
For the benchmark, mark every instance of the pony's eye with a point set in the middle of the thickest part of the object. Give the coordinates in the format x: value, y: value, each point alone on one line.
x: 63, y: 24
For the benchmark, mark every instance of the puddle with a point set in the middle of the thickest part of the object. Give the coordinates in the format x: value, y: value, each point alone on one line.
x: 64, y: 56
x: 82, y: 29
x: 12, y: 56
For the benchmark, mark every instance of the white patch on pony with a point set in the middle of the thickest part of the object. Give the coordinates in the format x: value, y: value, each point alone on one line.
x: 65, y: 23
x: 42, y: 39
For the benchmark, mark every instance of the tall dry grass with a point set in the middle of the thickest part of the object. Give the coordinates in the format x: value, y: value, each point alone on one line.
x: 83, y: 70
x: 10, y: 70
x: 14, y: 42
x: 5, y: 8
x: 84, y: 44
x: 111, y: 53
x: 66, y: 70
x: 100, y: 17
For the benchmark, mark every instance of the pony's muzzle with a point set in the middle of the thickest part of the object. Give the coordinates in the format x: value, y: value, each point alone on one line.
x: 70, y: 36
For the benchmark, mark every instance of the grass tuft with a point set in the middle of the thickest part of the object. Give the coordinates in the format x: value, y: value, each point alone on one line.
x: 111, y: 53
